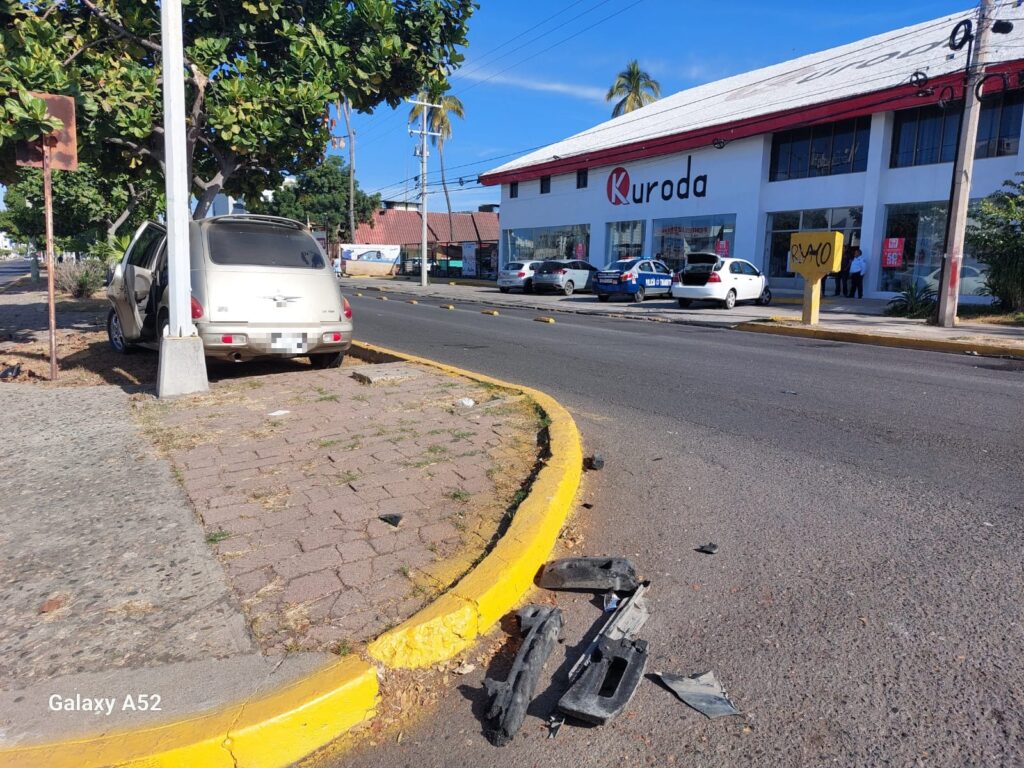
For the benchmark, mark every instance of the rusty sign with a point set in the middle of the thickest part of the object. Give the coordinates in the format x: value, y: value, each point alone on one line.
x: 63, y: 143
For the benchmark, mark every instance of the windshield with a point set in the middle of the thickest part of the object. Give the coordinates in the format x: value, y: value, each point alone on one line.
x: 262, y: 244
x: 622, y: 266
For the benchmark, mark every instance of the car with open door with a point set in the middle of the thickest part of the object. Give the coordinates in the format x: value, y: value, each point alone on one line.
x: 725, y: 281
x: 261, y: 287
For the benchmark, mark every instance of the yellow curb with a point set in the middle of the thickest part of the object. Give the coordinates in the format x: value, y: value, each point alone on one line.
x: 447, y: 306
x: 548, y: 320
x: 886, y: 340
x: 491, y: 312
x: 506, y: 574
x: 14, y: 282
x: 271, y: 731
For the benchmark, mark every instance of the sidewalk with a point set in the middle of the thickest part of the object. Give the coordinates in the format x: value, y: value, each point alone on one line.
x: 842, y: 319
x: 210, y: 549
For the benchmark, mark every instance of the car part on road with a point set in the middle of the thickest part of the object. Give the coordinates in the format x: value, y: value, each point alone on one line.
x: 393, y: 519
x: 541, y: 625
x: 11, y: 372
x: 707, y: 549
x: 467, y: 402
x: 702, y: 692
x: 589, y: 573
x: 611, y: 601
x: 608, y: 681
x: 594, y: 462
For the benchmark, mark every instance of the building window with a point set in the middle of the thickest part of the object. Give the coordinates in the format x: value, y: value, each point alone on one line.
x: 625, y: 240
x: 513, y: 189
x: 570, y: 241
x: 545, y: 184
x: 824, y: 150
x: 927, y: 135
x: 783, y: 224
x: 675, y: 238
x: 581, y: 178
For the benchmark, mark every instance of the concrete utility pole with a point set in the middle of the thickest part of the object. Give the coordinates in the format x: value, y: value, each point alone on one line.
x: 424, y: 133
x: 956, y: 227
x: 182, y: 368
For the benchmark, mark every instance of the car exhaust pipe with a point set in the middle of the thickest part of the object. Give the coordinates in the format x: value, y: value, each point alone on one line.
x: 237, y: 357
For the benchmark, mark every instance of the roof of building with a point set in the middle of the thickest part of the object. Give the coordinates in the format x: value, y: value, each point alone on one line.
x: 394, y: 226
x: 867, y: 76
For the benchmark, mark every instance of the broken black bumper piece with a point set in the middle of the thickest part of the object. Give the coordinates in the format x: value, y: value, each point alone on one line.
x: 606, y: 685
x: 593, y: 574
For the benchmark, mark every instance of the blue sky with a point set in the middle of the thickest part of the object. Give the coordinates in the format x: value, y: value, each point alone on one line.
x: 526, y: 90
x: 536, y: 71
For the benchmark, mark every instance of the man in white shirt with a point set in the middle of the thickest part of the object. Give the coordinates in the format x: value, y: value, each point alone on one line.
x: 858, y: 268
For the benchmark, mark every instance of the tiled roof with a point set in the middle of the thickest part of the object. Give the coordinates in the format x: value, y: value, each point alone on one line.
x: 397, y: 227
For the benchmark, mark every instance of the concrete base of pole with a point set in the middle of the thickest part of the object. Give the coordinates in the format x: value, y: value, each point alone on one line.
x: 182, y: 369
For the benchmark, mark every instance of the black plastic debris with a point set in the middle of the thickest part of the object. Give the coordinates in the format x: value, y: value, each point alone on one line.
x: 608, y: 682
x: 702, y: 692
x: 541, y: 625
x: 10, y: 372
x: 707, y: 549
x: 594, y: 462
x: 392, y: 520
x: 589, y: 573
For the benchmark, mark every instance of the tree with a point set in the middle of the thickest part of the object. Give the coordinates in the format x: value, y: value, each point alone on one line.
x: 439, y: 123
x: 995, y: 235
x: 260, y: 76
x: 634, y: 88
x: 321, y: 196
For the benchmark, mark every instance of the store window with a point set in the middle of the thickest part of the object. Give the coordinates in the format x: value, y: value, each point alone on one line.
x: 513, y: 189
x: 915, y: 233
x: 545, y: 184
x: 784, y: 223
x: 675, y: 238
x: 999, y: 125
x: 582, y: 178
x: 571, y: 241
x: 824, y: 150
x: 625, y: 240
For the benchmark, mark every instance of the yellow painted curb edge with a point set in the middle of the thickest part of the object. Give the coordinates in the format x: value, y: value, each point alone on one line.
x: 270, y: 731
x: 451, y: 624
x: 883, y: 340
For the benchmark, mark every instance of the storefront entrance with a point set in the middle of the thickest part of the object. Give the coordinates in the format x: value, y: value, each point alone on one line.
x: 783, y: 224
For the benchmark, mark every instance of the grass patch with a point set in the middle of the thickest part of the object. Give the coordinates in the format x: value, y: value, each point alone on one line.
x: 325, y: 396
x: 988, y: 313
x: 217, y: 536
x: 347, y: 477
x: 404, y: 570
x: 460, y: 495
x: 460, y: 434
x: 361, y: 398
x: 341, y: 648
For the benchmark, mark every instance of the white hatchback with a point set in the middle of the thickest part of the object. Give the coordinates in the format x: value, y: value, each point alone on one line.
x: 709, y: 277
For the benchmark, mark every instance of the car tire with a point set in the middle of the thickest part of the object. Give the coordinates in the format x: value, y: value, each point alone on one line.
x: 640, y: 294
x: 568, y: 288
x: 115, y: 335
x: 730, y: 300
x: 766, y: 297
x: 503, y: 290
x: 326, y: 360
x: 684, y: 303
x: 603, y: 297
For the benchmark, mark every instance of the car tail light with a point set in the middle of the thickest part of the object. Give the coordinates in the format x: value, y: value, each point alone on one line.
x: 627, y: 277
x: 714, y: 277
x: 563, y: 271
x: 197, y: 309
x: 520, y: 274
x: 332, y: 336
x: 347, y: 310
x: 676, y: 277
x: 234, y: 338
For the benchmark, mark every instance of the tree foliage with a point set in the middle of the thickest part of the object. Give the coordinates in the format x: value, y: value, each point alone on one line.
x: 259, y: 77
x: 995, y: 236
x: 633, y: 88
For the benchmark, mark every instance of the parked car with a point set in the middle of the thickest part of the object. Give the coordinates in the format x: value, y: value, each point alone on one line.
x: 261, y: 287
x: 634, y: 278
x: 709, y: 277
x: 973, y: 281
x: 517, y: 274
x: 564, y: 275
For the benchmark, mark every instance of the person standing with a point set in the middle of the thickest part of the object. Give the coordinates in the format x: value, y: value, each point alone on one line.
x: 843, y: 275
x: 858, y: 268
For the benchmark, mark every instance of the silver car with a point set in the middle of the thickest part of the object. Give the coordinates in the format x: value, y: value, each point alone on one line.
x: 517, y: 274
x: 564, y: 275
x: 261, y: 287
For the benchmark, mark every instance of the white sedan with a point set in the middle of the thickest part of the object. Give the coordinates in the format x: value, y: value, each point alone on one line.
x: 709, y: 277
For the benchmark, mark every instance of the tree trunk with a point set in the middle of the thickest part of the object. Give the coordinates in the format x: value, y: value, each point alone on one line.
x: 447, y: 197
x: 133, y: 202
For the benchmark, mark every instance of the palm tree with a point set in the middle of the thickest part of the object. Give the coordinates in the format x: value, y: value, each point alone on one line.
x: 634, y: 88
x: 439, y: 123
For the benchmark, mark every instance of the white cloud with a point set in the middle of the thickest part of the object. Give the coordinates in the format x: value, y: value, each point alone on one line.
x: 585, y: 92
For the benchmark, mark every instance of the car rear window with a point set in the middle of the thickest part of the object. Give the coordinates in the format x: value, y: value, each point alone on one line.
x: 622, y: 266
x: 256, y: 244
x: 513, y: 265
x: 552, y: 266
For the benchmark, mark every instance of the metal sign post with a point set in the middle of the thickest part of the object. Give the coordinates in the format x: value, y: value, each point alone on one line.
x: 51, y: 262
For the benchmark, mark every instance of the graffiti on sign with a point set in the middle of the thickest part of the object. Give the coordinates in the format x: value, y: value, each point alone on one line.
x: 815, y: 254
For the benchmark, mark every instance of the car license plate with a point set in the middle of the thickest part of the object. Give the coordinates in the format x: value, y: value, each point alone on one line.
x: 607, y: 280
x: 288, y: 342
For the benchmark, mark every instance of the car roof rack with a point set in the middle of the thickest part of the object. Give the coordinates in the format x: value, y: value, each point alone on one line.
x: 256, y: 217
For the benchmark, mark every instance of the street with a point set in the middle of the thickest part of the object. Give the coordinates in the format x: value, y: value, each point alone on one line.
x: 864, y: 605
x: 13, y: 269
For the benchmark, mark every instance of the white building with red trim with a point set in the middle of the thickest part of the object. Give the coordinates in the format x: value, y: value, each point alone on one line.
x: 858, y: 138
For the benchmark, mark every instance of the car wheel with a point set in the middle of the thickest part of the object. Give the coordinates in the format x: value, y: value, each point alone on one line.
x: 638, y: 297
x: 603, y: 297
x: 766, y: 297
x: 730, y: 299
x: 327, y: 360
x: 503, y: 290
x: 115, y: 334
x: 568, y: 288
x: 684, y: 303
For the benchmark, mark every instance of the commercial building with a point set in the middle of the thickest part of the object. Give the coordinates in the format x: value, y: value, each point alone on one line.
x: 859, y: 138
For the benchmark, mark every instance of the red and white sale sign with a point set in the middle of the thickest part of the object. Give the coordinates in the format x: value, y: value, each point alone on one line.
x: 722, y: 248
x: 892, y: 252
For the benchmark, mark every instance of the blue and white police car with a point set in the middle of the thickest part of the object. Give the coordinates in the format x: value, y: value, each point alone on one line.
x: 635, y: 278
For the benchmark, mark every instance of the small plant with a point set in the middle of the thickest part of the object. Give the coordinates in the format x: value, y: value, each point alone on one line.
x: 917, y: 301
x: 460, y: 495
x: 217, y: 536
x: 325, y: 396
x: 80, y: 278
x: 361, y: 398
x: 460, y: 434
x: 341, y: 648
x: 347, y: 477
x: 404, y: 570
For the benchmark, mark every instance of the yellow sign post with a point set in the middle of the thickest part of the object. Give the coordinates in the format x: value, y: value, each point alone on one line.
x: 814, y: 255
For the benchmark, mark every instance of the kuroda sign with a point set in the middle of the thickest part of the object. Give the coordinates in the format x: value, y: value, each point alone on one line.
x: 623, y: 191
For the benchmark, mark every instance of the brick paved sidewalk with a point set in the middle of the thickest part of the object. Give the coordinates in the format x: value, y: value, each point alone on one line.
x: 291, y: 474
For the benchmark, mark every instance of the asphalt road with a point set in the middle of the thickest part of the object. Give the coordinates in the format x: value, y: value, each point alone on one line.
x: 13, y: 269
x: 865, y: 605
